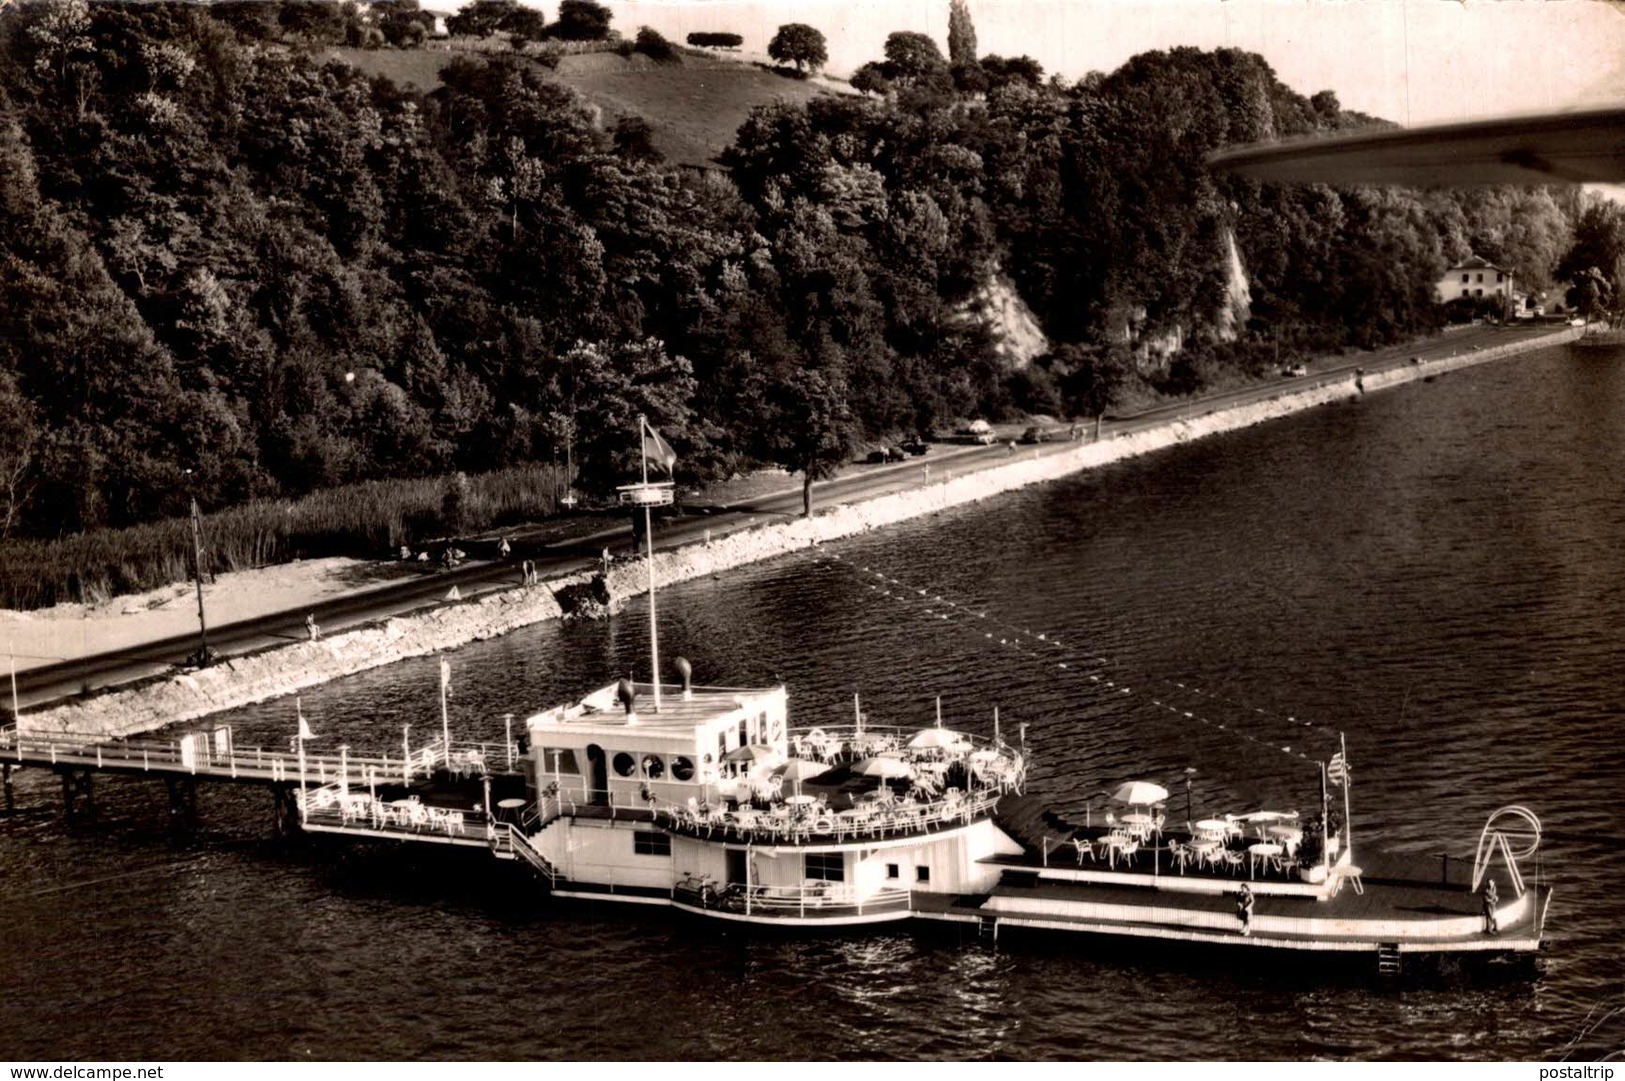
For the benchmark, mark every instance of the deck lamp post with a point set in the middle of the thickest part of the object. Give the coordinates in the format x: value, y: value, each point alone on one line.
x: 1189, y: 771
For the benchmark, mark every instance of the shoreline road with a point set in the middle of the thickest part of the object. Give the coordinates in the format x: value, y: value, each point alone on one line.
x: 54, y: 682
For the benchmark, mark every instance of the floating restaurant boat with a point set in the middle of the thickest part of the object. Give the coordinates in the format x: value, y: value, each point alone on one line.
x: 706, y: 800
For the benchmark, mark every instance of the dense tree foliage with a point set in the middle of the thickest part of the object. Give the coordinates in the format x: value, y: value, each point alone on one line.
x: 581, y: 20
x: 705, y: 40
x: 799, y: 44
x: 961, y: 34
x: 236, y: 269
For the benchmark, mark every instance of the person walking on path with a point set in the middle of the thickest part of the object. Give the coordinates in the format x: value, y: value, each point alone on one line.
x: 1491, y: 927
x: 1244, y: 908
x: 310, y: 625
x: 503, y: 548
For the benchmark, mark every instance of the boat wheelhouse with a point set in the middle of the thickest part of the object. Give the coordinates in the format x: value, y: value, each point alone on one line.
x: 714, y: 804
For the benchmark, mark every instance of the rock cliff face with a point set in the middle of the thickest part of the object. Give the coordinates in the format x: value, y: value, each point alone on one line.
x: 1017, y: 337
x: 1238, y: 294
x: 284, y: 670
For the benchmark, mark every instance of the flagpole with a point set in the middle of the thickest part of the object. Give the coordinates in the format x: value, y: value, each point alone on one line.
x: 649, y: 542
x: 300, y: 740
x: 1325, y: 849
x: 1348, y: 782
x: 445, y: 714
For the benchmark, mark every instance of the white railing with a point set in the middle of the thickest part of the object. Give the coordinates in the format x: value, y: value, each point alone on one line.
x: 507, y: 838
x: 197, y: 754
x: 785, y: 826
x: 331, y: 806
x: 816, y: 900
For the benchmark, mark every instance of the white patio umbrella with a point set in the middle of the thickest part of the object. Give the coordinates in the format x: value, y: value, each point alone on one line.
x: 883, y: 766
x: 756, y: 756
x: 938, y: 738
x: 803, y: 769
x: 1140, y: 793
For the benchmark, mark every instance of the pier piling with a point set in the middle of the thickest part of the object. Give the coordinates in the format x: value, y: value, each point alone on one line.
x: 79, y: 787
x: 182, y: 803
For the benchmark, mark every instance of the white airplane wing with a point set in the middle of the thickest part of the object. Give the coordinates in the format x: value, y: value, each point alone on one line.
x: 1577, y: 147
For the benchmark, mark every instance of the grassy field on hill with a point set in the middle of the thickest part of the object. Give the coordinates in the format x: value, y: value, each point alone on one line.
x: 694, y: 107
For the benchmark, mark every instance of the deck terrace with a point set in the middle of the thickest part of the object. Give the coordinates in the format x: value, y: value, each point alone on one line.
x: 1398, y: 917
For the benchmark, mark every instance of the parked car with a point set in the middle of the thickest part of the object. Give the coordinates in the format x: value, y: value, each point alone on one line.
x: 1035, y: 434
x: 886, y: 454
x: 916, y: 447
x: 979, y: 431
x: 1293, y: 371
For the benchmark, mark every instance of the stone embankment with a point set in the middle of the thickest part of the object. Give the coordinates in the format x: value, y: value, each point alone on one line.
x: 282, y: 671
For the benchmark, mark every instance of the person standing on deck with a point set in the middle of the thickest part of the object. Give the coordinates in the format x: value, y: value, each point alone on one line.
x: 1490, y: 901
x: 1244, y: 908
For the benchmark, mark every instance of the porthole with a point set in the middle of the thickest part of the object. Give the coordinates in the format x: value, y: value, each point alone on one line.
x: 682, y: 768
x: 624, y: 764
x: 654, y: 767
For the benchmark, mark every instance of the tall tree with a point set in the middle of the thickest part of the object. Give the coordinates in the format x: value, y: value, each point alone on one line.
x: 581, y: 20
x: 961, y: 34
x: 799, y: 44
x: 813, y: 430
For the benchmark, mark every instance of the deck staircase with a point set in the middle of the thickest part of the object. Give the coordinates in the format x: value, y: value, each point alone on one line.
x: 1029, y: 823
x: 1388, y: 963
x: 509, y: 843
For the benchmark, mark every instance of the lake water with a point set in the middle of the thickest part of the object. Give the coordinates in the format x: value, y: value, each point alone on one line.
x: 1434, y: 571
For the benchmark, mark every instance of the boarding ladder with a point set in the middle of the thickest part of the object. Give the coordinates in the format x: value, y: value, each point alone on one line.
x: 508, y: 842
x: 1388, y: 963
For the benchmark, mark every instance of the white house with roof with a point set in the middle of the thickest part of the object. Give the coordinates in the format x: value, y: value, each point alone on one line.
x: 1474, y: 277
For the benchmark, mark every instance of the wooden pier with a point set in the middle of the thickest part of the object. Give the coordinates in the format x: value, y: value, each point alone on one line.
x: 183, y: 761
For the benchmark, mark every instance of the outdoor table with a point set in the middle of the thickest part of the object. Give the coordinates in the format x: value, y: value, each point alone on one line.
x: 1114, y: 844
x: 800, y: 801
x: 1217, y: 826
x: 508, y: 806
x: 1261, y: 851
x: 1205, y: 850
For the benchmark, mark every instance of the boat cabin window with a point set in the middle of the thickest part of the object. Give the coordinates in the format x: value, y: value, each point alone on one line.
x: 649, y: 843
x: 559, y: 760
x: 682, y: 768
x: 922, y: 873
x: 893, y: 871
x: 827, y: 866
x: 624, y: 764
x: 654, y: 767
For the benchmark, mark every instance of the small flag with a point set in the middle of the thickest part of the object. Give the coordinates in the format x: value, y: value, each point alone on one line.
x: 656, y: 451
x: 1337, y: 770
x: 445, y: 677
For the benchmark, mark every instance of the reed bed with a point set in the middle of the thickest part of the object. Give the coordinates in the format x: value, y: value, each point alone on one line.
x: 375, y: 518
